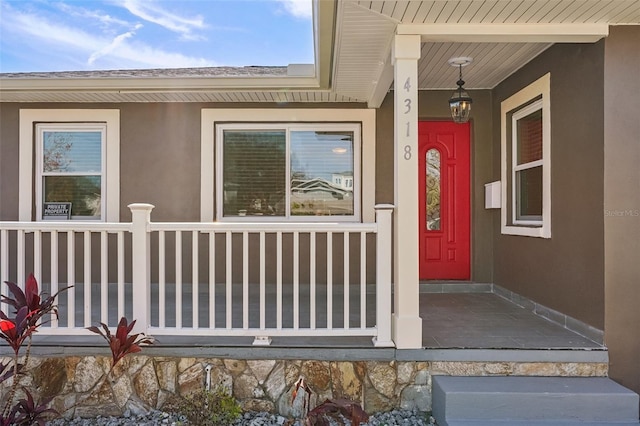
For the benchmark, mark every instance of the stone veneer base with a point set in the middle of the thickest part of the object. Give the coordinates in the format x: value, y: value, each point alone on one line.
x: 82, y: 385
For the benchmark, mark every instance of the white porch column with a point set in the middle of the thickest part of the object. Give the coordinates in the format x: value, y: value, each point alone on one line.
x: 407, y: 325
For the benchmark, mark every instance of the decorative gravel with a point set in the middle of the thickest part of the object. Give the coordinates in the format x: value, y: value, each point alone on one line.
x: 391, y: 418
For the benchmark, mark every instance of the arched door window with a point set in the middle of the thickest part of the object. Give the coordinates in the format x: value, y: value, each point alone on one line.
x: 433, y: 187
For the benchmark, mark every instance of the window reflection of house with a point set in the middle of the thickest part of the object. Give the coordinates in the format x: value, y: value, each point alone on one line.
x: 343, y: 180
x: 319, y: 197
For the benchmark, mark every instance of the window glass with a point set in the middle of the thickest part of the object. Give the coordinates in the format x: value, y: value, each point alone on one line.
x: 321, y: 173
x: 292, y: 171
x: 530, y: 137
x: 72, y: 152
x: 71, y: 169
x: 433, y: 190
x: 254, y: 173
x: 529, y: 194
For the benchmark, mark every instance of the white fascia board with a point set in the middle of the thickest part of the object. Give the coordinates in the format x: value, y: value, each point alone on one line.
x: 507, y: 33
x: 134, y: 85
x: 382, y: 86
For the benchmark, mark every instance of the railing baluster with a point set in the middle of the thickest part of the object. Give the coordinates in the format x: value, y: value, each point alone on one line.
x: 363, y: 280
x: 296, y: 280
x: 87, y: 278
x: 228, y: 279
x: 262, y: 282
x: 195, y: 286
x: 54, y: 273
x: 21, y: 259
x: 4, y: 266
x: 312, y: 280
x: 162, y: 280
x: 345, y: 283
x: 178, y: 279
x: 104, y: 277
x: 212, y: 280
x: 120, y: 275
x: 329, y: 280
x: 37, y: 258
x: 245, y: 280
x: 37, y: 255
x: 279, y: 280
x: 71, y: 279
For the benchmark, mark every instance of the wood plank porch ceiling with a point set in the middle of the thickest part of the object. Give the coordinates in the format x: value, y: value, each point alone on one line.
x: 366, y: 28
x: 361, y: 68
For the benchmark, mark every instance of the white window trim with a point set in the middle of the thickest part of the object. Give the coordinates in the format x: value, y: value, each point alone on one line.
x: 288, y: 128
x: 542, y: 229
x: 30, y: 117
x: 211, y: 116
x: 63, y: 127
x: 515, y: 167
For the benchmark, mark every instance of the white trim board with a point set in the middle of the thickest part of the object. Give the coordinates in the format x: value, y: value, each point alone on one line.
x: 210, y: 116
x: 28, y: 117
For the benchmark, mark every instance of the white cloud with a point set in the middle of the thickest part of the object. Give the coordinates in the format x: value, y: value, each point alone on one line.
x: 150, y: 12
x: 76, y: 49
x: 298, y: 8
x: 104, y: 19
x: 111, y: 47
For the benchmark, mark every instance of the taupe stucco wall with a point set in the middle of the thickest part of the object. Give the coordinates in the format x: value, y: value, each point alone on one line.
x: 565, y: 272
x: 622, y: 204
x: 9, y: 151
x: 433, y: 105
x: 159, y: 154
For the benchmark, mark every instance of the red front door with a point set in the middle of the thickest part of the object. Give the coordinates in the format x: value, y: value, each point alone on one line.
x: 444, y: 204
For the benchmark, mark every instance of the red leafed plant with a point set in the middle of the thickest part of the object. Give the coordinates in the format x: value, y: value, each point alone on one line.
x: 122, y: 344
x: 335, y: 409
x: 28, y: 412
x: 29, y: 309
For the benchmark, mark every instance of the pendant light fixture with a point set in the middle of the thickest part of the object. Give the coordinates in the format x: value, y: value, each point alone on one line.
x: 460, y: 101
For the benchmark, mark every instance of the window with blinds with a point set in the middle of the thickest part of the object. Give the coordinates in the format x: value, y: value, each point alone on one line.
x: 293, y: 171
x: 70, y: 171
x: 528, y: 164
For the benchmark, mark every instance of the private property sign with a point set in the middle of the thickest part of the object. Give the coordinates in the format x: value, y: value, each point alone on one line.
x: 56, y: 211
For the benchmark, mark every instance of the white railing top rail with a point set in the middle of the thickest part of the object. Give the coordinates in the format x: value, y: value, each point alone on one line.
x: 287, y: 227
x: 51, y: 226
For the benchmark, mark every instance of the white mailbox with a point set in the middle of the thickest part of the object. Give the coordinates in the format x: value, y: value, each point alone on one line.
x: 492, y: 195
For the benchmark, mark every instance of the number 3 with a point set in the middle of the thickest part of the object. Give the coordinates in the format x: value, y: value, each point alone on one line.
x: 407, y: 105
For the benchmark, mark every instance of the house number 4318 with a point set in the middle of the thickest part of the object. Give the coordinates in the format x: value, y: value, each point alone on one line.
x: 407, y: 105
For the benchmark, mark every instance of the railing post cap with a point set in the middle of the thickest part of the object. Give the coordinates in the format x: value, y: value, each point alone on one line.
x: 141, y: 206
x: 384, y: 207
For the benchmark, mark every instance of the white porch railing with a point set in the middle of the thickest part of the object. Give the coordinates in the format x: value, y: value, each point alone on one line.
x: 210, y: 279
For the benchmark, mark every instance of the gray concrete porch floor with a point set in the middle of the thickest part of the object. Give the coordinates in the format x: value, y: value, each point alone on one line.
x: 455, y: 326
x: 488, y: 321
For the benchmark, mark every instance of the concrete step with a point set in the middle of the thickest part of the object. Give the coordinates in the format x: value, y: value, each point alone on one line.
x: 532, y: 401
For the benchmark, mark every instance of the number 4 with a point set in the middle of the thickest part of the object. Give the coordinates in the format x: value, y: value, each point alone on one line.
x: 407, y: 84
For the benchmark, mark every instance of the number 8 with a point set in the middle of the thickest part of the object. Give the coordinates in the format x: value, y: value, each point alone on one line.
x: 407, y: 152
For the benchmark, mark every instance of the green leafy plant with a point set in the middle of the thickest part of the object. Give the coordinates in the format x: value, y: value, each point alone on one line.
x: 30, y: 307
x: 207, y: 408
x: 121, y: 343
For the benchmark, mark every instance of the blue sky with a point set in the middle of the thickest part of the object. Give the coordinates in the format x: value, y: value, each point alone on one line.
x: 74, y: 35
